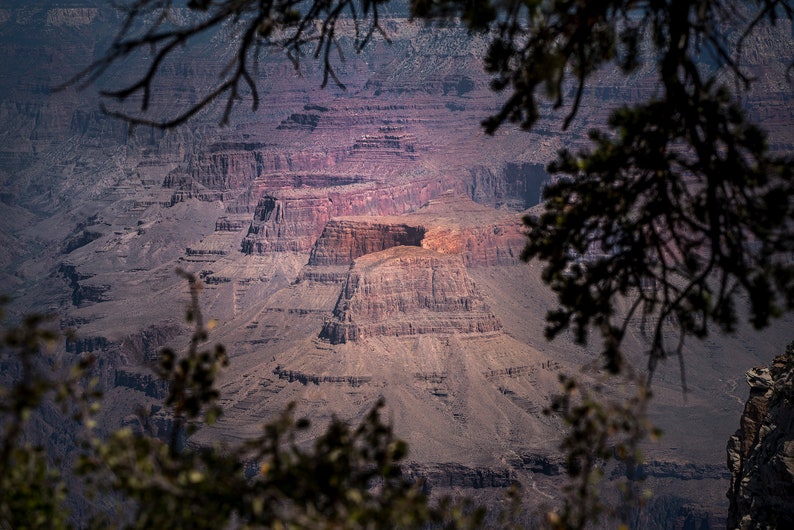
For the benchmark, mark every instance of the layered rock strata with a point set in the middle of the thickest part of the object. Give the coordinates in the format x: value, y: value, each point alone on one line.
x: 450, y: 224
x: 345, y: 239
x: 408, y: 291
x: 405, y: 131
x: 292, y: 220
x: 761, y: 453
x: 516, y: 186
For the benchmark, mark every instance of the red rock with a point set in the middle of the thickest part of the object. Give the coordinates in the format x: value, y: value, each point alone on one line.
x: 292, y: 220
x: 345, y: 239
x: 449, y: 225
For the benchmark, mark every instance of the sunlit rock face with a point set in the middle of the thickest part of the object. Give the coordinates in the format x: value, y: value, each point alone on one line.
x: 450, y: 225
x: 351, y: 244
x: 292, y: 220
x: 404, y: 291
x: 345, y: 239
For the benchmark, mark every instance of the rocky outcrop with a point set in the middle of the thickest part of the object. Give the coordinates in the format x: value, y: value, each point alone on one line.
x: 81, y: 240
x: 146, y: 343
x: 676, y: 470
x: 514, y: 186
x: 292, y: 220
x: 450, y: 224
x: 147, y: 383
x: 541, y: 464
x: 86, y: 344
x: 480, y: 246
x: 673, y: 512
x: 71, y: 17
x: 345, y: 239
x: 408, y: 291
x: 306, y: 122
x: 482, y: 236
x: 234, y: 224
x: 82, y: 292
x: 240, y: 173
x: 305, y: 379
x: 453, y: 475
x: 761, y: 453
x: 389, y: 147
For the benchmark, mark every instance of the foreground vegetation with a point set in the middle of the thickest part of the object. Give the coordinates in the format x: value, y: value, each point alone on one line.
x: 348, y: 477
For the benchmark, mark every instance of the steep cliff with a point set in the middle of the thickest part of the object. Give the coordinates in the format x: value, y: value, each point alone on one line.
x: 450, y: 224
x: 407, y: 290
x: 293, y: 219
x: 517, y: 186
x: 345, y: 239
x: 761, y: 453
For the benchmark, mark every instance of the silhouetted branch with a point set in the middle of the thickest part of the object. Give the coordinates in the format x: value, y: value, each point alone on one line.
x: 290, y: 25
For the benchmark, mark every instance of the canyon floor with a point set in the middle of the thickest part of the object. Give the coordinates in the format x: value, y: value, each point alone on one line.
x: 352, y: 244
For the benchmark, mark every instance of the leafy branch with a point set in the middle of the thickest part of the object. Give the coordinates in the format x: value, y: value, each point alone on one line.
x: 33, y: 492
x: 676, y: 215
x: 191, y: 378
x: 603, y: 427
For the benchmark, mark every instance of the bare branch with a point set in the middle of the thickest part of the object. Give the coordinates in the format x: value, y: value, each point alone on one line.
x: 261, y: 21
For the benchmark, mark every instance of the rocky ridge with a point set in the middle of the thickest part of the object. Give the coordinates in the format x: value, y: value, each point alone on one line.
x: 761, y: 453
x: 292, y: 220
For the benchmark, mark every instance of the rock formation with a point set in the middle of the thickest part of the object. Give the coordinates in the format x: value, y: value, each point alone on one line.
x: 292, y: 220
x: 345, y: 239
x: 404, y: 291
x: 449, y: 224
x: 761, y: 453
x: 380, y: 217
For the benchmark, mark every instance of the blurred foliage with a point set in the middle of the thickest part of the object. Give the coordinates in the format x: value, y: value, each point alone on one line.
x: 606, y: 422
x: 347, y: 477
x: 31, y: 490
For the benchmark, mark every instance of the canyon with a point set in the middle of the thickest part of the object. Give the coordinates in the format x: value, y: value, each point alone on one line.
x: 352, y: 244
